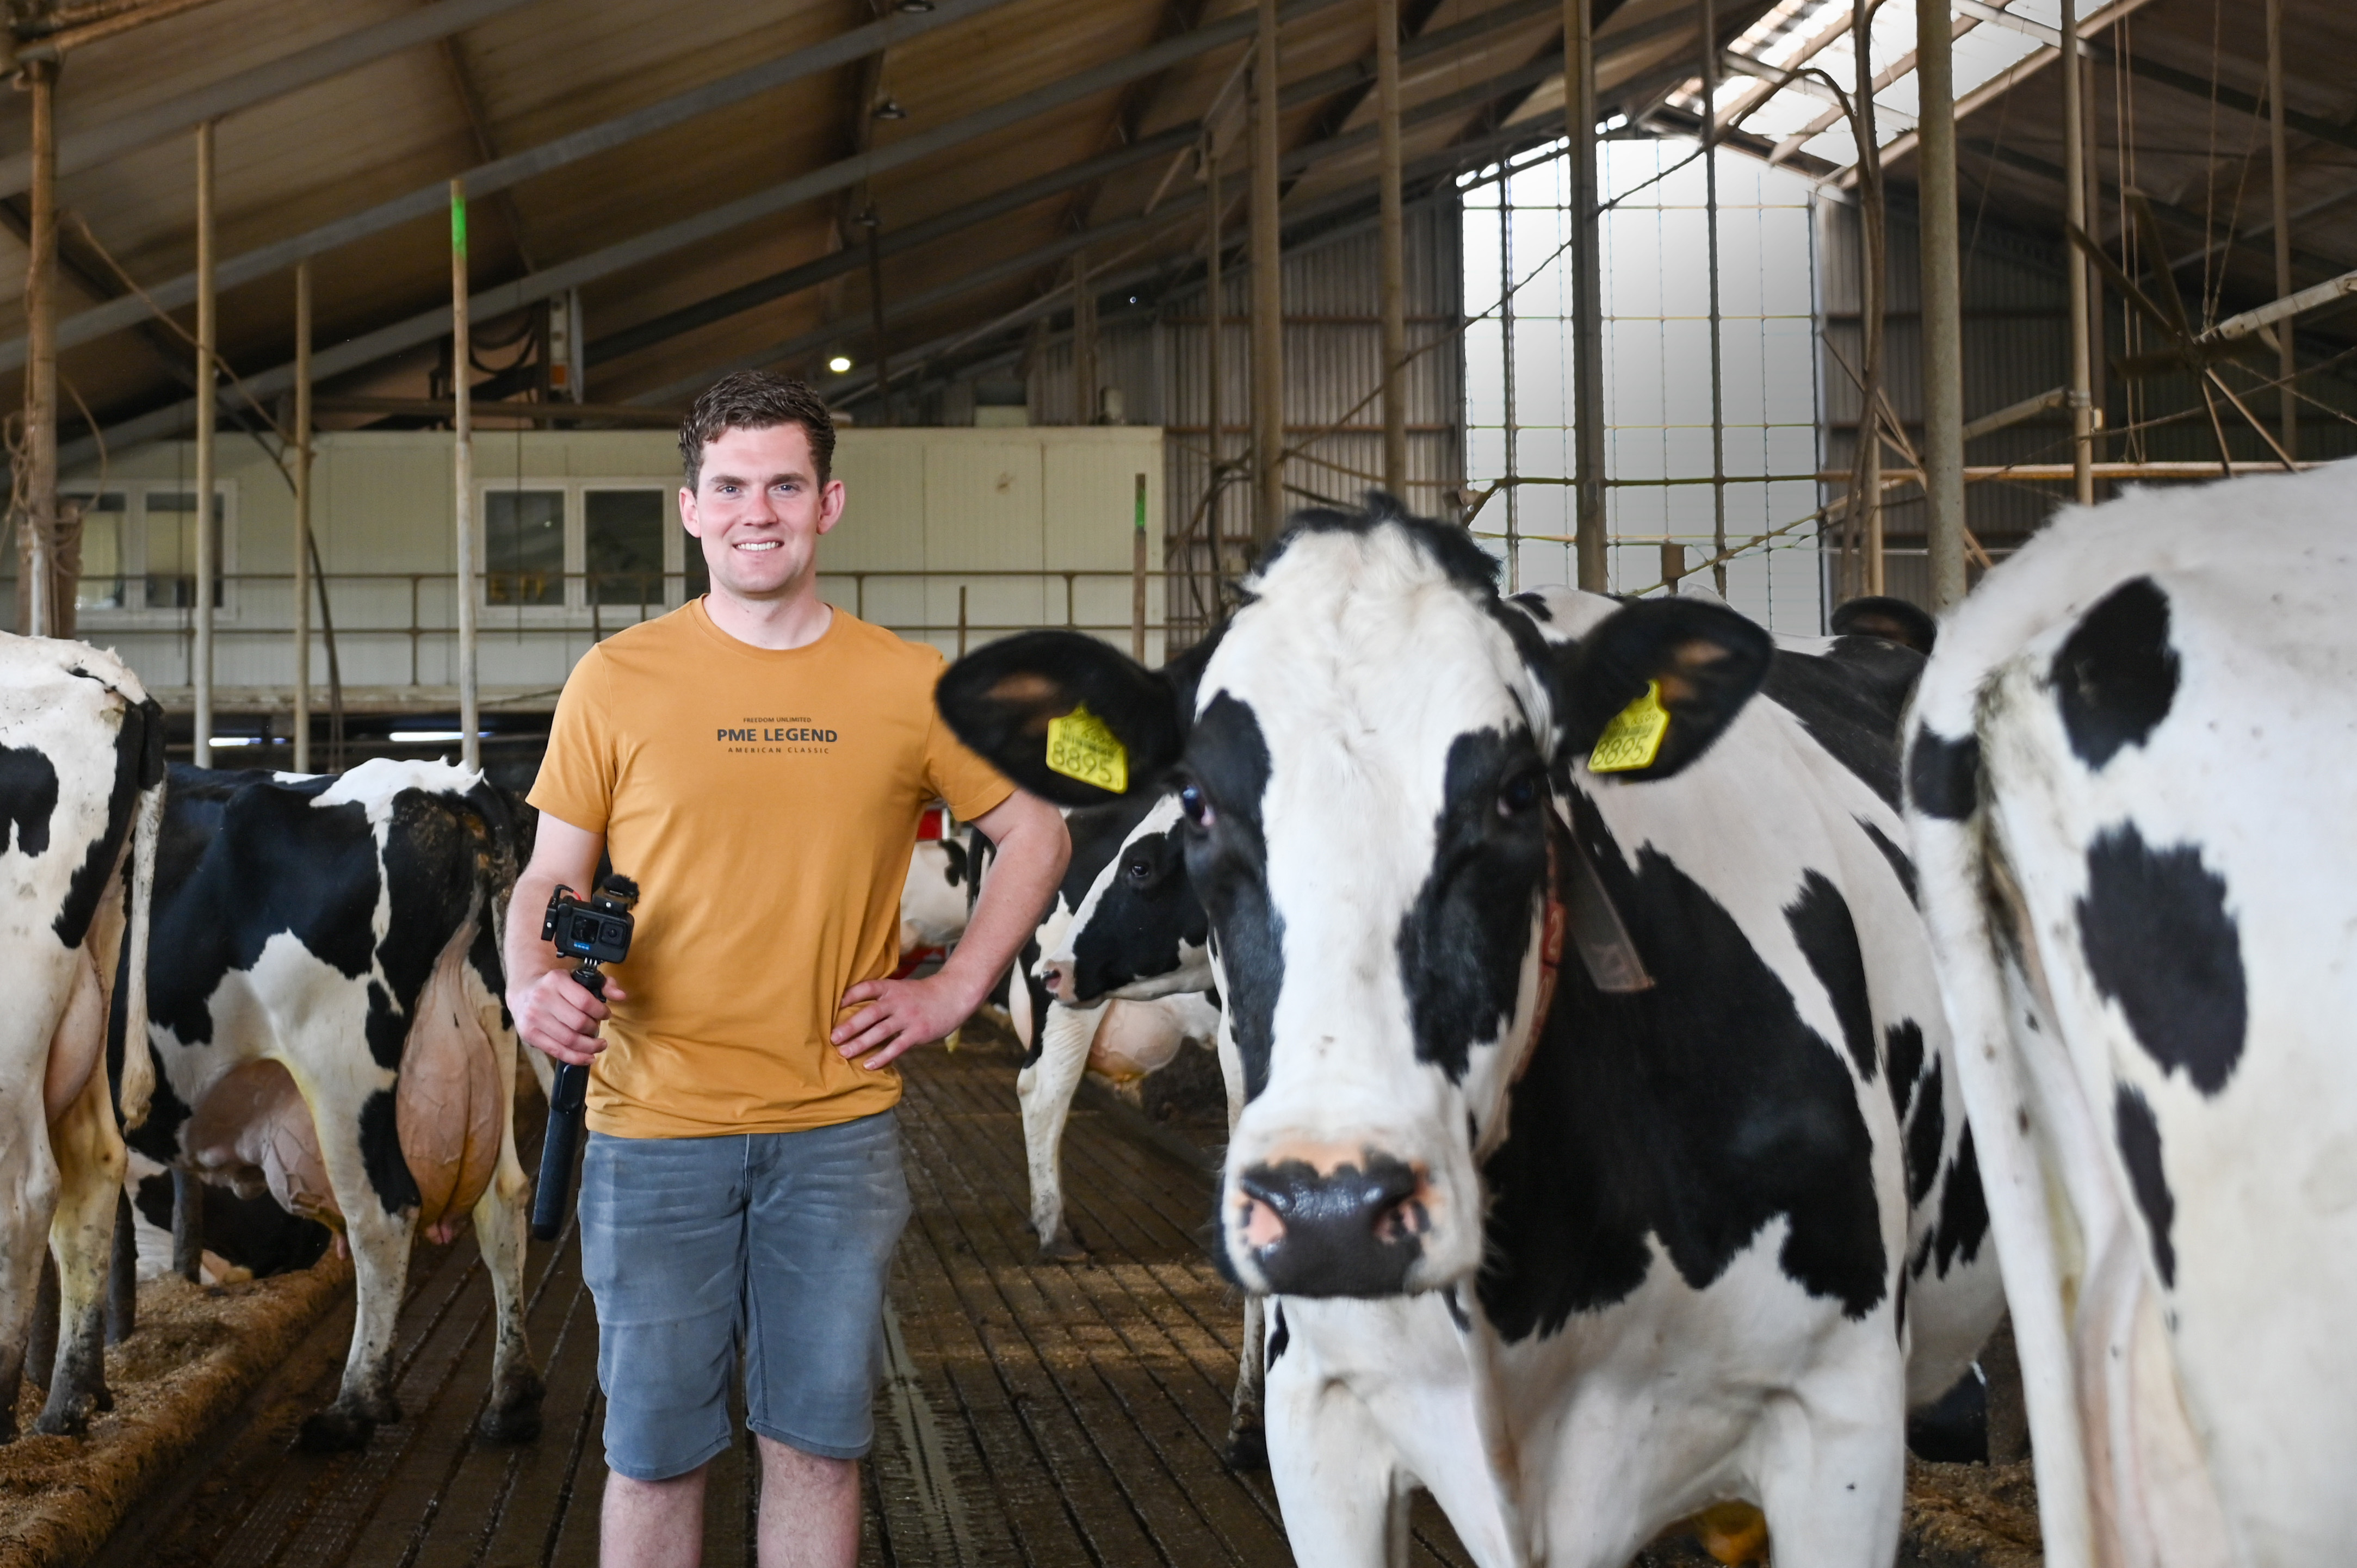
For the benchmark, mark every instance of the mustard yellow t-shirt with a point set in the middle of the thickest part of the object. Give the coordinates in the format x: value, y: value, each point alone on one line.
x: 765, y: 801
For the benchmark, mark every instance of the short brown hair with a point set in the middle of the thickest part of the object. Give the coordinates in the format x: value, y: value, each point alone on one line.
x: 755, y: 400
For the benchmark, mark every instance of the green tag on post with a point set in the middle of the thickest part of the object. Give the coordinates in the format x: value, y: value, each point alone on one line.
x: 1080, y: 746
x: 457, y: 223
x: 1634, y: 736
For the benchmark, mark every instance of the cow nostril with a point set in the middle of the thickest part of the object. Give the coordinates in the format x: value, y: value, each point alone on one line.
x: 1352, y: 1230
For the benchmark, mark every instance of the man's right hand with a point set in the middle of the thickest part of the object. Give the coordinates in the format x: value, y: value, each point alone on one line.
x: 558, y: 1014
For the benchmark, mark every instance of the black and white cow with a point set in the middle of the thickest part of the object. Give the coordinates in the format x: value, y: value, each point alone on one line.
x: 1583, y: 1251
x: 82, y: 763
x: 2137, y: 861
x: 1139, y: 931
x: 326, y: 1009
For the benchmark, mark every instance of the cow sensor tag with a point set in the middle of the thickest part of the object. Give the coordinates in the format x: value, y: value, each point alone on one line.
x: 1080, y: 746
x: 1634, y: 738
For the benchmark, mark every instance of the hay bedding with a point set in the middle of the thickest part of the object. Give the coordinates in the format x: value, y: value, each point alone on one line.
x: 197, y: 1351
x: 1970, y: 1516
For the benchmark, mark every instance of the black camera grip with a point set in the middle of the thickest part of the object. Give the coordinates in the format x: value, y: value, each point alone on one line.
x: 566, y: 1098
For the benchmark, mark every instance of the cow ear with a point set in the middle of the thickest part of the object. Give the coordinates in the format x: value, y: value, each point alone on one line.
x: 1892, y: 620
x: 1000, y: 700
x: 1706, y: 659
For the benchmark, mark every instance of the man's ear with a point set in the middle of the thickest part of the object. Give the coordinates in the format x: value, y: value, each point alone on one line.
x: 1000, y: 699
x: 1707, y: 660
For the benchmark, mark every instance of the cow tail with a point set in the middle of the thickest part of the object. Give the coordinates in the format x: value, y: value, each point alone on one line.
x: 138, y: 1086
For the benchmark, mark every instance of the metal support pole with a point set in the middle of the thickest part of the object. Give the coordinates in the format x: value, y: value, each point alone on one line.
x: 1215, y: 372
x: 471, y: 744
x: 1943, y: 330
x: 302, y: 516
x: 38, y: 561
x: 1137, y: 577
x: 875, y: 316
x: 1718, y: 364
x: 1267, y: 295
x: 1506, y: 365
x: 1871, y: 258
x: 200, y: 656
x: 2074, y: 199
x: 1587, y: 301
x: 2287, y: 355
x: 1392, y: 241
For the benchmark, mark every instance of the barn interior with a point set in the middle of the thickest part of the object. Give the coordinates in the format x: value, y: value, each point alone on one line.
x: 1789, y: 300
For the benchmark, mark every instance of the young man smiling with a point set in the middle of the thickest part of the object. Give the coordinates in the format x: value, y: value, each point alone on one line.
x: 757, y: 761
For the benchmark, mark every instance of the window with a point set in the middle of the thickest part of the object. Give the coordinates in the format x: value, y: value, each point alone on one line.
x: 171, y: 563
x: 622, y: 546
x: 524, y: 547
x: 139, y: 547
x: 578, y: 546
x: 105, y: 517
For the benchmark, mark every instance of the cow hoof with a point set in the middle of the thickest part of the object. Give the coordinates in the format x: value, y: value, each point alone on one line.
x: 1247, y: 1449
x: 513, y: 1417
x: 1062, y: 1249
x: 334, y: 1429
x: 68, y: 1418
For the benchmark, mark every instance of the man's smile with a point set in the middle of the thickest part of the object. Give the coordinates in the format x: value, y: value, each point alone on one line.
x: 760, y: 544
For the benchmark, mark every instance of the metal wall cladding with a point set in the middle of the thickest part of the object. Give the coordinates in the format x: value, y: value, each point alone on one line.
x: 1333, y: 373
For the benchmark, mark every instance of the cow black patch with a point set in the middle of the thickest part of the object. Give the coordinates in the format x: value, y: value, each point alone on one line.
x: 1227, y: 861
x: 388, y: 1172
x: 1462, y: 942
x: 97, y: 868
x: 1535, y: 605
x: 1279, y: 1336
x: 1845, y: 701
x: 1943, y: 776
x: 1902, y: 1057
x: 1901, y: 867
x: 240, y: 862
x: 2138, y: 1135
x: 1926, y: 1130
x: 2115, y: 676
x: 1963, y: 1206
x: 28, y: 798
x: 2160, y: 942
x: 1828, y: 940
x: 1142, y: 919
x: 1687, y: 1117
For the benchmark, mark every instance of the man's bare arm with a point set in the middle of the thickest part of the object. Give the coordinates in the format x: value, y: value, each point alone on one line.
x: 553, y: 1012
x: 1033, y: 848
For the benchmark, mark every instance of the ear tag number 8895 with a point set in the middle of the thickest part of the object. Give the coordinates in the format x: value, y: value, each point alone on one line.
x: 1080, y: 746
x: 1634, y: 736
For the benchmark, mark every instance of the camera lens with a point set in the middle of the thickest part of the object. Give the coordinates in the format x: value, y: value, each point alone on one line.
x: 614, y: 934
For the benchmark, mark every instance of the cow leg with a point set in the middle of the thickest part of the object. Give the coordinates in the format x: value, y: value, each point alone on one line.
x: 1247, y: 1447
x: 380, y: 1244
x: 1337, y: 1478
x: 1045, y: 1088
x: 123, y: 1273
x: 1835, y: 1475
x: 514, y: 1414
x: 91, y: 1164
x: 24, y: 1237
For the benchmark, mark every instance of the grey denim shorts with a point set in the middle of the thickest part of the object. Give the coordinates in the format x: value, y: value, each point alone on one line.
x: 778, y: 1242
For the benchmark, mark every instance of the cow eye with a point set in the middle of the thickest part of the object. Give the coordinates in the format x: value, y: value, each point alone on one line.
x: 1193, y: 806
x: 1519, y: 794
x: 1137, y: 871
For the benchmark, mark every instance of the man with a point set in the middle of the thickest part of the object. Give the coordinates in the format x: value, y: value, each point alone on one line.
x: 757, y: 761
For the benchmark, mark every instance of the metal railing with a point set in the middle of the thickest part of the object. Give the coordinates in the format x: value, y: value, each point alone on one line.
x: 418, y: 610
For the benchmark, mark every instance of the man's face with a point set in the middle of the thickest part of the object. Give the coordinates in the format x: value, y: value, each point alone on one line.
x: 759, y: 508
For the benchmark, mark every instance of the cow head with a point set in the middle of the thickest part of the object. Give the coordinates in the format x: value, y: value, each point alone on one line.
x: 1362, y: 771
x: 1139, y: 931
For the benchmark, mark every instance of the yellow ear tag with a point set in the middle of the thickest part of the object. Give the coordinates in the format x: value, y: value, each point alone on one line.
x: 1080, y: 746
x: 1634, y: 738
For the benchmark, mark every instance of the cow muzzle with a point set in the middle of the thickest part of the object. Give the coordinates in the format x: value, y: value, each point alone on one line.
x: 1058, y: 976
x: 1354, y: 1227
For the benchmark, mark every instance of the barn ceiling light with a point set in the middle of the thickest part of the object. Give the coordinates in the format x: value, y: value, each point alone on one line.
x: 839, y: 364
x: 915, y: 7
x: 890, y: 109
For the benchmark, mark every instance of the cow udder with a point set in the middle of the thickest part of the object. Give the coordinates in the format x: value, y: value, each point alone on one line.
x: 448, y: 1106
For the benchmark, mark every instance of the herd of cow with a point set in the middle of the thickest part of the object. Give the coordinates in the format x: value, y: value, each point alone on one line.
x: 1657, y: 1052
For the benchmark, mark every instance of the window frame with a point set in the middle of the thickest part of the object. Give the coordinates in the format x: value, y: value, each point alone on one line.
x: 135, y: 612
x: 576, y: 610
